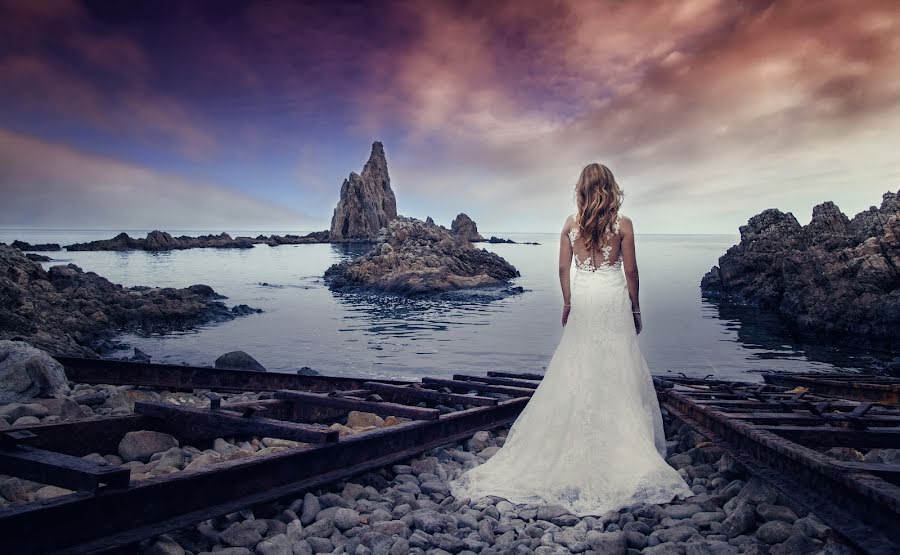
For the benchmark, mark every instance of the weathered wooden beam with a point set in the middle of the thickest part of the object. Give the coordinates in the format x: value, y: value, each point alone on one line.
x: 727, y: 404
x: 862, y: 388
x: 187, y: 378
x: 496, y: 381
x: 517, y: 375
x: 459, y: 385
x: 416, y: 394
x: 823, y: 436
x: 59, y: 469
x: 888, y: 471
x: 225, y: 422
x: 378, y: 407
x: 806, y: 417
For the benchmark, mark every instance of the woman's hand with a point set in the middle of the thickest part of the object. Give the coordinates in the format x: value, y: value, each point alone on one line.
x: 638, y: 324
x: 565, y: 314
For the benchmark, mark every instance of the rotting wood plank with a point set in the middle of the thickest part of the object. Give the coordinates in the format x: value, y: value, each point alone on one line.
x: 517, y: 375
x: 378, y: 407
x: 884, y: 470
x: 496, y: 381
x: 59, y: 469
x: 460, y: 385
x: 857, y: 388
x: 806, y: 417
x: 85, y: 523
x: 226, y: 422
x: 415, y: 394
x: 757, y: 404
x: 838, y: 437
x: 187, y: 378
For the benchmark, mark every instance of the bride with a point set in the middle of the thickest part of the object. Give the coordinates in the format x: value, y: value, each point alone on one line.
x: 591, y: 437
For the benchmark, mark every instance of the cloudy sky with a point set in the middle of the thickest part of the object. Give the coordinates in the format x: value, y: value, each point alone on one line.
x: 248, y: 115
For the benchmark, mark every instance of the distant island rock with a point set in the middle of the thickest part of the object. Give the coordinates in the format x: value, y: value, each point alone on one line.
x: 837, y: 277
x: 412, y: 257
x: 367, y: 203
x: 465, y: 228
x: 158, y: 241
x: 67, y: 311
x: 23, y: 246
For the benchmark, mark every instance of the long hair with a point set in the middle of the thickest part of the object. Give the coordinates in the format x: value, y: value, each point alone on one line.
x: 599, y: 198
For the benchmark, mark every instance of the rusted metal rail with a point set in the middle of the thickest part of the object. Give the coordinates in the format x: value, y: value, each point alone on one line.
x: 781, y: 435
x: 860, y: 387
x: 108, y: 511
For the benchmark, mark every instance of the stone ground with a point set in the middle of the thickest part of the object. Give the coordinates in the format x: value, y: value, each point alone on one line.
x: 407, y: 508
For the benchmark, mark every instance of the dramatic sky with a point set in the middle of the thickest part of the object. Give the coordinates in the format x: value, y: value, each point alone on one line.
x: 242, y: 115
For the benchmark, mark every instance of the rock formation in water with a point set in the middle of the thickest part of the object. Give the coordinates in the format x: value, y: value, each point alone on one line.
x: 465, y: 228
x: 835, y: 276
x: 367, y: 203
x: 67, y: 311
x: 161, y: 241
x: 412, y: 257
x: 23, y: 246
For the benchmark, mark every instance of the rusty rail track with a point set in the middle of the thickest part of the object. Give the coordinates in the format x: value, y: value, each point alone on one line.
x: 781, y: 435
x: 109, y: 511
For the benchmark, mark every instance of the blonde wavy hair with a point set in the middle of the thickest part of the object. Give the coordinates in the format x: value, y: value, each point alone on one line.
x: 598, y: 198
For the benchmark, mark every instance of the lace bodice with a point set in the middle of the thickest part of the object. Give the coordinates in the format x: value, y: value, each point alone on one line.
x: 605, y: 263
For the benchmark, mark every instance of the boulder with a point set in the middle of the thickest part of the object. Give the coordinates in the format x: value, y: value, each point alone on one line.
x: 26, y: 373
x: 834, y: 278
x: 464, y: 228
x: 143, y: 444
x: 367, y: 202
x: 239, y: 360
x: 414, y: 258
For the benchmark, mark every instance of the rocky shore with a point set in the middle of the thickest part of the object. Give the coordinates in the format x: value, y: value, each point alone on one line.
x: 412, y: 257
x: 67, y: 311
x: 157, y: 241
x: 836, y: 277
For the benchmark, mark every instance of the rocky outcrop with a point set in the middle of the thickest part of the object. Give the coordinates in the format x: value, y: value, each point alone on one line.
x: 23, y: 246
x: 412, y: 257
x: 67, y: 311
x: 367, y: 203
x: 465, y: 228
x: 239, y: 360
x: 26, y: 373
x: 835, y: 276
x: 162, y: 241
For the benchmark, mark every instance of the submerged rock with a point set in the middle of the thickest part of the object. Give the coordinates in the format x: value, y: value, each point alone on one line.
x: 835, y: 276
x: 162, y: 241
x: 367, y: 202
x: 26, y: 372
x: 412, y: 257
x: 23, y: 246
x: 465, y: 228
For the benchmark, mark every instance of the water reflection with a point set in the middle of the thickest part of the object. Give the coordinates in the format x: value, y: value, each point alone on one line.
x: 767, y: 337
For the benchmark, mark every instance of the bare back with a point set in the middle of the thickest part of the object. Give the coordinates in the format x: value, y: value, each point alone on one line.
x: 606, y: 254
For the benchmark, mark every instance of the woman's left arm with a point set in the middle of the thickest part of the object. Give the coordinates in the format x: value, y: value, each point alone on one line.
x: 565, y: 269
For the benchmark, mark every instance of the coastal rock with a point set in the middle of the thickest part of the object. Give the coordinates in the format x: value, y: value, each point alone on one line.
x: 23, y: 246
x: 239, y: 360
x: 157, y: 241
x: 143, y: 444
x: 464, y: 228
x: 367, y: 201
x: 413, y: 258
x: 26, y: 372
x: 37, y: 257
x: 67, y: 311
x: 835, y: 277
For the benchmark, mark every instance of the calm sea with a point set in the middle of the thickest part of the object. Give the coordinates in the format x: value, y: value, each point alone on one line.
x: 304, y: 324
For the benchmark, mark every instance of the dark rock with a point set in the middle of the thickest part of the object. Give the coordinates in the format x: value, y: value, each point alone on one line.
x: 367, y: 202
x: 834, y: 277
x: 37, y: 257
x: 413, y: 258
x: 139, y: 356
x: 464, y: 228
x: 67, y: 311
x: 239, y: 360
x: 23, y: 246
x: 495, y: 239
x: 26, y: 372
x: 143, y: 444
x: 157, y: 241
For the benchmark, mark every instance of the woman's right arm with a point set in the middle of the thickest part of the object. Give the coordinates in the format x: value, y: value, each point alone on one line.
x: 629, y: 261
x: 565, y: 268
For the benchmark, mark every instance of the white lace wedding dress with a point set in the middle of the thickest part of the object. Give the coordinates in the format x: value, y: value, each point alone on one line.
x: 591, y: 437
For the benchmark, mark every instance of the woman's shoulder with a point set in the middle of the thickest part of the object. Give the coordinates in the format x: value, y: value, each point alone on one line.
x: 624, y: 223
